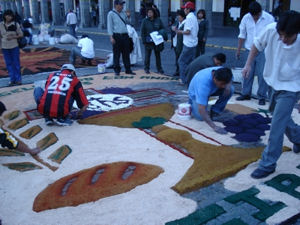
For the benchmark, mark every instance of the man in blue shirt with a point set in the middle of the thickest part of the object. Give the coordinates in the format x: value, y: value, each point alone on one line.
x: 213, y: 81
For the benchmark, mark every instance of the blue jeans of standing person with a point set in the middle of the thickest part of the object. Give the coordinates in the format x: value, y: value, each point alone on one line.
x: 218, y: 107
x: 12, y: 61
x: 281, y: 105
x: 257, y: 68
x: 186, y: 57
x: 72, y: 30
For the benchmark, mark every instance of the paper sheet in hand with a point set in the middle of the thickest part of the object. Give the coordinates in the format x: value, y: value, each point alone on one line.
x: 157, y: 38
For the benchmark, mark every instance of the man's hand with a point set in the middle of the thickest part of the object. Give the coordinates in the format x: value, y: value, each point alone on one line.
x: 238, y: 54
x: 246, y: 71
x: 112, y: 40
x: 220, y: 130
x: 35, y: 151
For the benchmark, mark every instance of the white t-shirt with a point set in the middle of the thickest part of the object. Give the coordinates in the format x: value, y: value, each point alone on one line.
x: 71, y: 18
x: 191, y: 24
x: 249, y: 29
x: 87, y: 48
x: 282, y: 67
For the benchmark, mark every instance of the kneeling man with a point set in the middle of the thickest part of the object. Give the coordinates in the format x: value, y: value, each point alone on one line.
x: 213, y: 81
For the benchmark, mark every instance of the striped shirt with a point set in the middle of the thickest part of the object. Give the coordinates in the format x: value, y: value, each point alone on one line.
x: 7, y: 140
x: 60, y: 88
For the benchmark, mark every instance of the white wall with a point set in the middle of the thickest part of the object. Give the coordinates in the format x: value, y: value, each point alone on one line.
x: 175, y: 5
x: 295, y: 5
x: 218, y: 6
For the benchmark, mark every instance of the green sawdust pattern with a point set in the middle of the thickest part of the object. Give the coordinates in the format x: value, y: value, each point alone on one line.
x: 47, y: 141
x: 10, y: 152
x: 125, y: 118
x: 12, y: 115
x: 148, y: 122
x: 60, y: 154
x: 211, y: 163
x: 23, y: 166
x: 31, y: 132
x: 18, y: 124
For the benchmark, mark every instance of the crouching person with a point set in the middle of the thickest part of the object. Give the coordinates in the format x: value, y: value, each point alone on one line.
x: 84, y: 50
x: 213, y: 81
x: 7, y: 140
x: 61, y: 90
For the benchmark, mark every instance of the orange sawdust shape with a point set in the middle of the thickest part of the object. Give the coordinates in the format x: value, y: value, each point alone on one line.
x: 18, y: 124
x: 239, y: 109
x: 47, y: 141
x: 31, y: 132
x: 211, y: 163
x: 124, y: 118
x: 95, y: 183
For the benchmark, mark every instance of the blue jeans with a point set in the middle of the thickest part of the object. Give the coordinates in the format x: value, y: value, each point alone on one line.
x: 72, y: 30
x: 281, y: 105
x: 257, y: 68
x: 218, y: 107
x: 12, y: 61
x: 186, y: 57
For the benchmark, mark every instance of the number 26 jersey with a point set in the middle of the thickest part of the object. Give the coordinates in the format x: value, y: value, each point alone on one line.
x: 60, y: 92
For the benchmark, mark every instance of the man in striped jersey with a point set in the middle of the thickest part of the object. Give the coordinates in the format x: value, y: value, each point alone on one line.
x: 56, y: 101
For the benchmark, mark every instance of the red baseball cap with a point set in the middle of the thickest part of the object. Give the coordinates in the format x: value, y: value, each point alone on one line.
x: 188, y: 5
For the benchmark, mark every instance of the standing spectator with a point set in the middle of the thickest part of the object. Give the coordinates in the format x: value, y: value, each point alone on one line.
x: 156, y: 10
x: 202, y: 33
x: 281, y: 43
x: 28, y: 26
x: 190, y: 39
x: 142, y: 14
x: 178, y: 38
x: 150, y: 24
x: 84, y: 49
x: 72, y: 22
x: 94, y: 16
x: 202, y: 62
x: 252, y: 25
x: 56, y: 101
x: 10, y: 31
x: 117, y: 30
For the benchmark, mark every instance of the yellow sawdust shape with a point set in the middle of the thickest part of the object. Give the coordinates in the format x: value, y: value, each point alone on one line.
x: 211, y: 163
x: 12, y: 115
x: 18, y: 124
x: 31, y: 132
x: 239, y: 109
x: 47, y: 141
x: 125, y: 118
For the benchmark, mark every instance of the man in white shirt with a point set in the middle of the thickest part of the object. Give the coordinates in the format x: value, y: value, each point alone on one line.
x: 84, y: 49
x: 281, y: 43
x: 190, y: 40
x: 71, y: 22
x: 252, y: 25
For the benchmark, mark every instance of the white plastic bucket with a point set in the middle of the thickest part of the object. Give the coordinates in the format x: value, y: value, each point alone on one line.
x: 51, y: 41
x: 184, y: 111
x: 41, y: 38
x: 46, y: 37
x: 101, y: 68
x: 35, y: 40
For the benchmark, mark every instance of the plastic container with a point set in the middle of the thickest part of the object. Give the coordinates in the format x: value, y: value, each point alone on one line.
x: 101, y: 68
x: 35, y: 40
x: 184, y: 111
x: 51, y: 41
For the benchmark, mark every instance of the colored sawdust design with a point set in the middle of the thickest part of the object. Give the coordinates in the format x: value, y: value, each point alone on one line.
x: 239, y: 109
x: 148, y: 94
x: 38, y: 60
x: 47, y: 141
x: 31, y: 132
x: 116, y: 90
x: 211, y: 163
x: 124, y: 118
x: 10, y: 152
x: 18, y: 124
x: 148, y: 122
x: 23, y: 166
x: 12, y: 115
x: 33, y: 114
x: 216, y: 214
x: 95, y: 183
x: 60, y: 154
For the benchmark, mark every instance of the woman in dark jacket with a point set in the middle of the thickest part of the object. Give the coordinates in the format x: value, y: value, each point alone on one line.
x: 150, y: 24
x: 202, y: 33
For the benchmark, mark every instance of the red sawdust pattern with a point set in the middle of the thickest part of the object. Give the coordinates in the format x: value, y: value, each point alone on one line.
x: 38, y: 60
x: 89, y: 185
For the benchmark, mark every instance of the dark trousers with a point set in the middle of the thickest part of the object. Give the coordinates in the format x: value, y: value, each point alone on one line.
x: 200, y: 48
x: 12, y: 60
x: 148, y: 52
x: 72, y: 31
x: 121, y: 47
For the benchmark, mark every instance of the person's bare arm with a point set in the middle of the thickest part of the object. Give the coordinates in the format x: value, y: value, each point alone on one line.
x: 240, y: 44
x: 81, y: 111
x: 206, y: 118
x: 253, y: 53
x: 23, y: 148
x: 183, y: 32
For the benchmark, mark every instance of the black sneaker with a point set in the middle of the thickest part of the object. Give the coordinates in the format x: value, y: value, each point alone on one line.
x: 243, y: 97
x: 147, y: 71
x: 161, y: 72
x: 259, y: 173
x: 64, y: 122
x: 49, y: 121
x: 261, y: 101
x: 117, y: 73
x: 131, y: 73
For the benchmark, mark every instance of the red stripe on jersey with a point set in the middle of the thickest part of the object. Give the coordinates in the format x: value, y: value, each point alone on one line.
x: 41, y: 106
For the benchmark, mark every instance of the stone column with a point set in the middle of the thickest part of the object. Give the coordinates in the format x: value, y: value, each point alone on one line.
x: 13, y: 5
x: 68, y: 5
x: 104, y: 8
x: 44, y: 11
x: 55, y: 8
x: 163, y: 7
x: 3, y: 5
x: 26, y: 9
x: 131, y: 6
x: 19, y: 8
x: 34, y: 8
x: 85, y: 14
